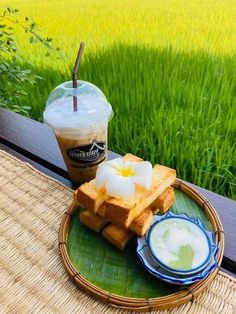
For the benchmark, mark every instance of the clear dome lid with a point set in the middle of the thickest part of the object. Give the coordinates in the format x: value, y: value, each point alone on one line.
x: 93, y: 106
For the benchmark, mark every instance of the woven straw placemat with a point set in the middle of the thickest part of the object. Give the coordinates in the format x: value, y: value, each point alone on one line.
x: 32, y: 277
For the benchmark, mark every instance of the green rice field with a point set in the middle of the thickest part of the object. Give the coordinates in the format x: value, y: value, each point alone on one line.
x: 167, y: 67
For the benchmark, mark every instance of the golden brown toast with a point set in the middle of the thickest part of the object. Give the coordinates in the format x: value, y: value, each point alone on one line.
x: 118, y: 236
x: 155, y: 210
x: 123, y: 211
x: 141, y: 224
x: 131, y: 157
x: 164, y: 201
x: 92, y: 221
x: 90, y: 197
x: 101, y: 210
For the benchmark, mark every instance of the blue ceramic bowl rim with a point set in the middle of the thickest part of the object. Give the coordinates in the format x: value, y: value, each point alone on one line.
x: 179, y: 271
x: 180, y: 281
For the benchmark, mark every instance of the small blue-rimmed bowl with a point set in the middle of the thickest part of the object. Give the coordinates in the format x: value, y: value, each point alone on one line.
x: 161, y: 273
x: 155, y: 269
x: 184, y: 227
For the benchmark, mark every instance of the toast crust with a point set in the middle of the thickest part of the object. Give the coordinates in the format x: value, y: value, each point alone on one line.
x: 92, y: 221
x: 118, y: 236
x: 165, y: 200
x: 90, y: 197
x: 142, y: 223
x: 101, y: 210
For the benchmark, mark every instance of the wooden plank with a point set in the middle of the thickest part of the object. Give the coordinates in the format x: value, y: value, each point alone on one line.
x: 228, y: 272
x: 226, y: 209
x: 35, y: 142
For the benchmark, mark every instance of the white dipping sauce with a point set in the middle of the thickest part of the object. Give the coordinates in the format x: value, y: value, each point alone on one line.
x: 179, y: 244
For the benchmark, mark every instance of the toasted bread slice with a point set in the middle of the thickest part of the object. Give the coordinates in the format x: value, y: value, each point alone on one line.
x: 101, y: 210
x: 141, y: 224
x: 118, y: 236
x: 162, y: 203
x: 164, y: 209
x: 165, y: 200
x: 90, y: 197
x: 131, y: 157
x: 155, y: 210
x: 123, y: 211
x: 92, y: 221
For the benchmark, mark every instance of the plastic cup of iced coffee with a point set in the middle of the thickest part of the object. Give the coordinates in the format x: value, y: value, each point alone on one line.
x: 81, y: 134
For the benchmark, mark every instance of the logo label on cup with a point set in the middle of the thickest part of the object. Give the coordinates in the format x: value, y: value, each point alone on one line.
x: 88, y: 154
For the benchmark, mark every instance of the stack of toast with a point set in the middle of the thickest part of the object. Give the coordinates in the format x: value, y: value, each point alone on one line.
x: 120, y: 219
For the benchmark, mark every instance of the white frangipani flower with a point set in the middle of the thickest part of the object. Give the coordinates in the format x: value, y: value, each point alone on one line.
x: 119, y: 177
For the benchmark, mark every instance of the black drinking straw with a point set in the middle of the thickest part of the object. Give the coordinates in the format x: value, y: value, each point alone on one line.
x: 75, y: 74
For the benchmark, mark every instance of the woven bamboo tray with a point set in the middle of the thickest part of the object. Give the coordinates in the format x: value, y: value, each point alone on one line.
x: 148, y: 303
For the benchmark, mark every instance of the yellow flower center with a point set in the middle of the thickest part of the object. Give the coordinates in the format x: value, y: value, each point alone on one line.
x: 126, y: 172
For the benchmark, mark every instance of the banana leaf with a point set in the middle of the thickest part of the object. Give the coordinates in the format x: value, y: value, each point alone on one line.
x: 121, y: 272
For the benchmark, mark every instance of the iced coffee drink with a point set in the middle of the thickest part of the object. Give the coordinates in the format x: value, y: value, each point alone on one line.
x: 81, y: 134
